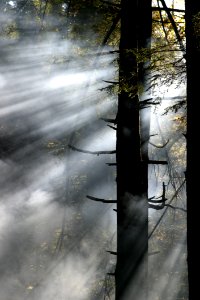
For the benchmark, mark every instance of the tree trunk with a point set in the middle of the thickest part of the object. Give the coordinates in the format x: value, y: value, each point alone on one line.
x: 144, y: 42
x: 132, y: 175
x: 192, y: 8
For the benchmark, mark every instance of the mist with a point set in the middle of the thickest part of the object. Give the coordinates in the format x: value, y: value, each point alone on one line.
x: 54, y: 241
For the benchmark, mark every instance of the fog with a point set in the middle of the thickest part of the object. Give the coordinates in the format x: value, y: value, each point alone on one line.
x: 54, y: 241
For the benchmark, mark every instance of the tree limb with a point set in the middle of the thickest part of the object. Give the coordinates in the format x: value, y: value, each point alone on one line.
x: 112, y: 82
x: 101, y: 200
x: 156, y: 207
x: 162, y: 216
x: 157, y: 201
x: 112, y: 127
x: 162, y: 200
x: 112, y: 28
x: 155, y: 8
x: 113, y: 121
x: 185, y: 135
x: 92, y: 152
x: 142, y: 104
x: 168, y: 12
x: 159, y: 146
x: 176, y: 207
x: 111, y: 252
x: 162, y: 22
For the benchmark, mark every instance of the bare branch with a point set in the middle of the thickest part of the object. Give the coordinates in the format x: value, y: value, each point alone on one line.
x: 159, y: 146
x: 162, y: 216
x: 92, y: 152
x: 162, y: 200
x: 185, y: 135
x: 176, y: 97
x: 112, y: 127
x: 112, y: 28
x: 112, y: 252
x: 98, y: 53
x: 113, y: 121
x: 157, y: 201
x: 156, y: 207
x: 154, y: 8
x: 101, y: 200
x: 111, y: 164
x: 176, y: 207
x: 147, y: 102
x: 168, y: 12
x: 112, y: 82
x: 162, y: 22
x: 111, y: 274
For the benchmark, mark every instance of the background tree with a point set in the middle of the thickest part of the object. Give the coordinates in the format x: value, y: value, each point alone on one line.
x: 193, y: 65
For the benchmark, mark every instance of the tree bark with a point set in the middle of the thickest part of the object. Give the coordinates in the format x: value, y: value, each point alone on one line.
x: 192, y: 8
x: 132, y: 175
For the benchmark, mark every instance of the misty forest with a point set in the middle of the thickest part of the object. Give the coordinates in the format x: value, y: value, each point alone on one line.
x: 94, y: 97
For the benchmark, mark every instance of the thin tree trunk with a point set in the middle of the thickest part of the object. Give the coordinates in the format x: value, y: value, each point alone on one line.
x: 192, y: 8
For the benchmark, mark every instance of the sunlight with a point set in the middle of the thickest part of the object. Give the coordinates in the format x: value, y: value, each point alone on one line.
x: 60, y: 117
x: 12, y: 3
x: 180, y: 4
x: 60, y: 81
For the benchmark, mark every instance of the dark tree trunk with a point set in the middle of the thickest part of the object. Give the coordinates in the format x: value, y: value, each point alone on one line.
x: 132, y: 175
x: 144, y: 41
x: 192, y: 8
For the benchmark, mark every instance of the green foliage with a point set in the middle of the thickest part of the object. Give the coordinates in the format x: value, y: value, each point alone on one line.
x: 10, y: 31
x: 167, y: 59
x: 141, y: 55
x: 176, y: 107
x: 180, y: 120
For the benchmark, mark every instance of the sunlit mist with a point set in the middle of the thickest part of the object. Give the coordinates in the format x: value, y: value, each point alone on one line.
x: 55, y: 243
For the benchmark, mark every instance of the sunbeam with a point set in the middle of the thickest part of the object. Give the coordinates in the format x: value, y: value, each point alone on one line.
x: 59, y: 115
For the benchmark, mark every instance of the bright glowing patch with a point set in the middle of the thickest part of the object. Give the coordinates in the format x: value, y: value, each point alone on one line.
x: 39, y: 197
x: 2, y: 81
x: 64, y: 6
x: 61, y: 81
x: 12, y: 3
